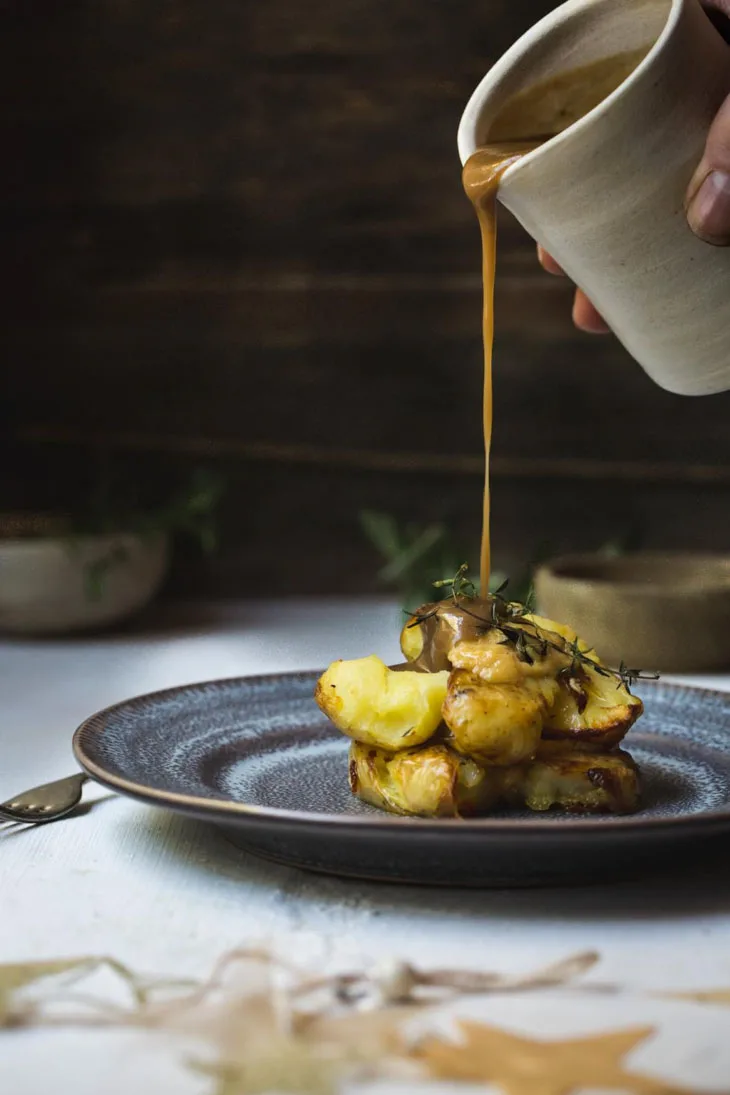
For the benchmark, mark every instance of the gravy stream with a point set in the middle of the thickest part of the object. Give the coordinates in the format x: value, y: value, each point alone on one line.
x: 481, y: 182
x: 524, y: 123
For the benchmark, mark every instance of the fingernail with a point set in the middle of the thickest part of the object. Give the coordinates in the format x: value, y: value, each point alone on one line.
x: 709, y: 210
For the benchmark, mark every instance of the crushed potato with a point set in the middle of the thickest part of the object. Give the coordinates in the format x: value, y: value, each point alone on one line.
x: 433, y: 781
x: 379, y: 706
x: 496, y: 723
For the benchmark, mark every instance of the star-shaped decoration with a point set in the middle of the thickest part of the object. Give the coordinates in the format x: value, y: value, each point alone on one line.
x: 528, y: 1066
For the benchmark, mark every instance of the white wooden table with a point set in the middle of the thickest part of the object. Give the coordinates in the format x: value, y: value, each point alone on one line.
x: 167, y: 896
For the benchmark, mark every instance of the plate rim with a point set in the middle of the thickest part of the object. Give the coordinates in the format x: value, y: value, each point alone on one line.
x: 232, y: 810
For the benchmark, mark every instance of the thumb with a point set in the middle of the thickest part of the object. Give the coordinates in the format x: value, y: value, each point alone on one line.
x: 708, y: 194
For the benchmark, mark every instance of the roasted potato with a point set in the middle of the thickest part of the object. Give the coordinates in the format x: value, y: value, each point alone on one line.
x: 553, y: 628
x: 587, y: 708
x: 499, y: 724
x: 429, y: 636
x: 432, y: 781
x: 592, y: 710
x: 575, y: 780
x: 411, y: 640
x: 379, y: 706
x: 496, y: 662
x: 546, y: 649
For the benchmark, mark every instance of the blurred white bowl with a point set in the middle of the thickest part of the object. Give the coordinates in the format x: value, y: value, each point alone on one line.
x: 54, y: 585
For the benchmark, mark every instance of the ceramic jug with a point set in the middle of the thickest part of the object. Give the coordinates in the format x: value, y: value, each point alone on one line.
x: 605, y: 196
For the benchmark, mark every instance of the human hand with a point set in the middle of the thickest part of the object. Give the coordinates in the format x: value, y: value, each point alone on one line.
x: 707, y: 202
x: 708, y: 194
x: 585, y: 315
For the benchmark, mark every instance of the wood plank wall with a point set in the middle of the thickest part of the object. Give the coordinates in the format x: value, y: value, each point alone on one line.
x: 235, y: 235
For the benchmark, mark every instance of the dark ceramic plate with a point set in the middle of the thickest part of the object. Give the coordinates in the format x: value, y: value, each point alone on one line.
x: 256, y: 756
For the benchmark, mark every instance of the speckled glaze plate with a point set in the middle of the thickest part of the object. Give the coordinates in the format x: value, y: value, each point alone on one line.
x: 256, y: 756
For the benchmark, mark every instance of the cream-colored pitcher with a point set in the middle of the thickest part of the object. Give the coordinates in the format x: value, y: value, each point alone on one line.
x: 605, y: 195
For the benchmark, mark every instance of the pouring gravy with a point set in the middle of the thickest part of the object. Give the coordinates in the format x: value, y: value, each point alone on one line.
x: 524, y: 123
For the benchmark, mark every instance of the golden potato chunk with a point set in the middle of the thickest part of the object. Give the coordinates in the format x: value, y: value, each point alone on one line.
x: 592, y: 710
x: 498, y: 724
x: 553, y: 628
x: 491, y: 659
x: 531, y: 646
x: 379, y: 706
x: 432, y: 781
x: 430, y: 634
x: 411, y: 640
x: 575, y: 780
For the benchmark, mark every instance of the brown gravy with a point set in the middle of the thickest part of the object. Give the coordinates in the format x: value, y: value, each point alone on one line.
x: 525, y: 122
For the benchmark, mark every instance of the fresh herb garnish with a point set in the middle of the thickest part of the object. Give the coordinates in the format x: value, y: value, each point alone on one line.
x: 529, y: 641
x: 419, y: 617
x: 630, y: 676
x: 461, y: 584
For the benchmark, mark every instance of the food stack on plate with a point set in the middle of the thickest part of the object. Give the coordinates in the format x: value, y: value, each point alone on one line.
x: 494, y: 708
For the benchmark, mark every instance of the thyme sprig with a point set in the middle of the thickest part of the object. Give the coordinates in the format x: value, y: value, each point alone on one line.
x: 420, y: 617
x: 630, y: 676
x: 461, y: 584
x: 529, y: 641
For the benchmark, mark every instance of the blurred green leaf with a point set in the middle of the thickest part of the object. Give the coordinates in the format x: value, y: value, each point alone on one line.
x: 416, y: 556
x: 191, y: 511
x: 382, y: 531
x: 413, y: 555
x: 113, y: 509
x: 96, y: 572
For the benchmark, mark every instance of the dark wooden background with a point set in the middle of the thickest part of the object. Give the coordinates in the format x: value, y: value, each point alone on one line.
x: 234, y: 236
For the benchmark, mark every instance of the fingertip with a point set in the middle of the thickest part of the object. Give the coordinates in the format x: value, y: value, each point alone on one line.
x: 548, y: 263
x: 708, y: 214
x: 586, y: 318
x: 707, y: 201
